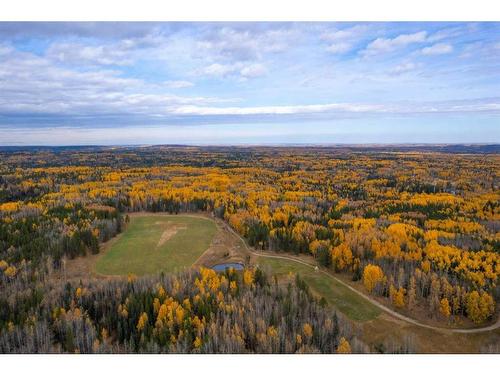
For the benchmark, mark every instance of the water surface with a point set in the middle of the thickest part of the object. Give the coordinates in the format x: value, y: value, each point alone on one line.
x: 224, y: 266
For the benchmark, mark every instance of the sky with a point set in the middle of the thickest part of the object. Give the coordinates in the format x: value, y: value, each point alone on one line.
x: 249, y: 83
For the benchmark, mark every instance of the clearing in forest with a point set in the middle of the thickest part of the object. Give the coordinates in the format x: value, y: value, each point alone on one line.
x: 335, y: 294
x: 155, y: 243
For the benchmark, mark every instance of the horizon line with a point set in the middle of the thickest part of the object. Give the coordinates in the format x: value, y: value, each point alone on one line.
x: 276, y: 144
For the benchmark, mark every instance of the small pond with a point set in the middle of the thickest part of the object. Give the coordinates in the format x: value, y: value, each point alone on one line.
x: 224, y: 266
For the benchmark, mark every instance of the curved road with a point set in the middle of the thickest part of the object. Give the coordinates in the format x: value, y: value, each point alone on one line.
x: 369, y: 299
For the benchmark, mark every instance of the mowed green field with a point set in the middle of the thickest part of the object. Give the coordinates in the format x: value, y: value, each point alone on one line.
x: 336, y: 294
x: 155, y: 243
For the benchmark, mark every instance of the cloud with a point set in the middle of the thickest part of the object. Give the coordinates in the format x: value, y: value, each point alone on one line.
x: 253, y: 71
x: 404, y: 68
x: 101, y: 30
x: 244, y: 70
x: 122, y: 52
x: 447, y: 33
x: 75, y: 53
x: 487, y: 105
x: 119, y: 77
x: 239, y: 50
x: 437, y: 49
x: 351, y: 33
x: 339, y: 48
x: 219, y: 70
x: 277, y: 110
x: 383, y: 45
x: 231, y: 44
x: 178, y: 84
x: 343, y: 40
x: 35, y: 85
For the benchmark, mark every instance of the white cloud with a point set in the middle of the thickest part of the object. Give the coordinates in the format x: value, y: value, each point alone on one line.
x: 278, y: 110
x: 404, y: 68
x: 123, y: 52
x: 237, y: 69
x: 219, y: 70
x: 253, y: 71
x: 236, y: 45
x: 86, y: 77
x: 488, y: 105
x: 33, y: 84
x: 178, y: 84
x: 437, y: 49
x: 446, y: 34
x: 343, y: 40
x: 76, y: 53
x: 350, y: 33
x: 339, y: 48
x: 382, y: 45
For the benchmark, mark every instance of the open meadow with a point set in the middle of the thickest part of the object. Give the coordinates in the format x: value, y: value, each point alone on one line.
x: 157, y: 243
x: 335, y: 294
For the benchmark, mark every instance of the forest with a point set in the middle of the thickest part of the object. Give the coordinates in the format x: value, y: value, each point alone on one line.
x: 418, y: 229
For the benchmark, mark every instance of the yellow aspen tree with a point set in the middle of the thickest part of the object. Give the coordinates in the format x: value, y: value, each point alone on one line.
x: 298, y: 339
x: 479, y: 307
x: 156, y: 305
x: 344, y: 346
x: 397, y: 296
x: 342, y: 256
x: 10, y: 271
x: 3, y: 264
x: 197, y: 342
x: 248, y: 277
x: 161, y: 292
x: 233, y: 286
x: 143, y: 320
x: 426, y: 266
x: 486, y: 305
x: 131, y: 277
x: 179, y: 314
x: 444, y: 307
x: 307, y: 329
x: 372, y: 276
x: 122, y: 311
x: 412, y: 294
x: 272, y: 332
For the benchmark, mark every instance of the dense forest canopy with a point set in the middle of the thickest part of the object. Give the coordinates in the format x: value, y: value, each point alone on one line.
x: 417, y: 227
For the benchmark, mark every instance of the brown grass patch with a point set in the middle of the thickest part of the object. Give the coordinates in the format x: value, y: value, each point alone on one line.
x: 225, y: 248
x: 169, y: 232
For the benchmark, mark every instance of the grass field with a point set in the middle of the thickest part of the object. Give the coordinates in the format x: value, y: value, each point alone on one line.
x: 155, y: 243
x: 334, y: 293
